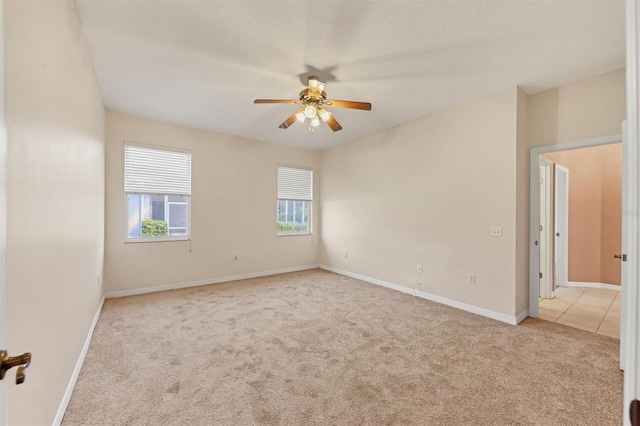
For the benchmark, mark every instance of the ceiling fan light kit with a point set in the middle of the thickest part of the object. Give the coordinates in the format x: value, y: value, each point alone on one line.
x: 324, y: 114
x: 316, y: 84
x: 310, y: 111
x: 313, y: 99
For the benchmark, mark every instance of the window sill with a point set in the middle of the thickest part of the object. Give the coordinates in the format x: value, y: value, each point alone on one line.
x: 155, y: 240
x: 294, y: 234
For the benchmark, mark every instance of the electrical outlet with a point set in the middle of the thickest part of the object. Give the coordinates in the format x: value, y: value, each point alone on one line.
x: 346, y: 253
x: 496, y: 231
x: 255, y: 256
x: 235, y: 257
x: 472, y: 278
x: 419, y: 268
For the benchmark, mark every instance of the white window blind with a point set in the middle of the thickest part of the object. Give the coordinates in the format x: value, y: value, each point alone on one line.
x: 295, y: 184
x: 155, y: 171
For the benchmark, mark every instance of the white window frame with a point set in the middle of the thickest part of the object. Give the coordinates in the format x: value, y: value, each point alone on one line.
x: 135, y: 240
x: 278, y: 199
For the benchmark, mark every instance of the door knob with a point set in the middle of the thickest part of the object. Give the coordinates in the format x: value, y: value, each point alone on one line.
x: 623, y: 257
x: 7, y: 362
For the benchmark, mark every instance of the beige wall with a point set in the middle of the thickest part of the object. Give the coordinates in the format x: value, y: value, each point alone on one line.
x: 427, y: 192
x: 590, y: 108
x: 55, y: 199
x: 233, y: 209
x: 595, y: 186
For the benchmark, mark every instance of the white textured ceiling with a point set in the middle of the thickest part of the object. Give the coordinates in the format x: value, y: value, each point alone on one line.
x: 202, y: 63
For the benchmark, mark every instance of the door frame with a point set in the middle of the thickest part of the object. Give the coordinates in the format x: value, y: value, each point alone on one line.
x: 631, y: 158
x: 561, y: 256
x: 546, y: 234
x: 534, y: 207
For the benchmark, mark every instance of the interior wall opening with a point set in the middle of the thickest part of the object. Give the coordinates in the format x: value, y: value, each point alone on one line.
x: 580, y: 202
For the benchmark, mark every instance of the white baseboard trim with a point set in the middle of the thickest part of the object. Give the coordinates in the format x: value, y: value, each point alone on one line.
x: 522, y: 316
x: 155, y: 289
x: 513, y: 320
x: 76, y: 371
x: 592, y: 285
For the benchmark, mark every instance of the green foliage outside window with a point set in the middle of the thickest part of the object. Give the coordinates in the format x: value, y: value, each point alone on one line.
x: 284, y: 227
x: 155, y: 228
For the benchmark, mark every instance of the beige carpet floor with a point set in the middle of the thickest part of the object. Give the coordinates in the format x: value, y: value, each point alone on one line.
x: 318, y: 348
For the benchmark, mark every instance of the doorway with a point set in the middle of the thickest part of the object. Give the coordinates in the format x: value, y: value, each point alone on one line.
x: 567, y: 291
x: 581, y: 230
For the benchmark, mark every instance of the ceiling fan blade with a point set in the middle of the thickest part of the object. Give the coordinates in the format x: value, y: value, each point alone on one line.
x: 275, y: 101
x: 289, y: 121
x: 333, y: 123
x: 348, y: 104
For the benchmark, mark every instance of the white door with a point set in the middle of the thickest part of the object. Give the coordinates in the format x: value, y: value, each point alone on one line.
x: 626, y: 228
x: 629, y: 317
x: 3, y: 215
x: 561, y: 225
x: 631, y: 221
x: 546, y: 266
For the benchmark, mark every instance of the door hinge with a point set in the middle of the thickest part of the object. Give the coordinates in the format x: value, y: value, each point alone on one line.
x: 541, y: 228
x: 634, y: 413
x: 540, y: 275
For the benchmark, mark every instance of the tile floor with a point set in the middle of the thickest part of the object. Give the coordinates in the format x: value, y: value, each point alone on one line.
x: 591, y: 309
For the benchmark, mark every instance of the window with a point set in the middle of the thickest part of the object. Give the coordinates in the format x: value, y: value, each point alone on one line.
x: 295, y: 194
x: 157, y: 184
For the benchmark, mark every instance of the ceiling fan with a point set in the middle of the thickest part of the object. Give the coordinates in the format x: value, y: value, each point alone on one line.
x: 313, y: 100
